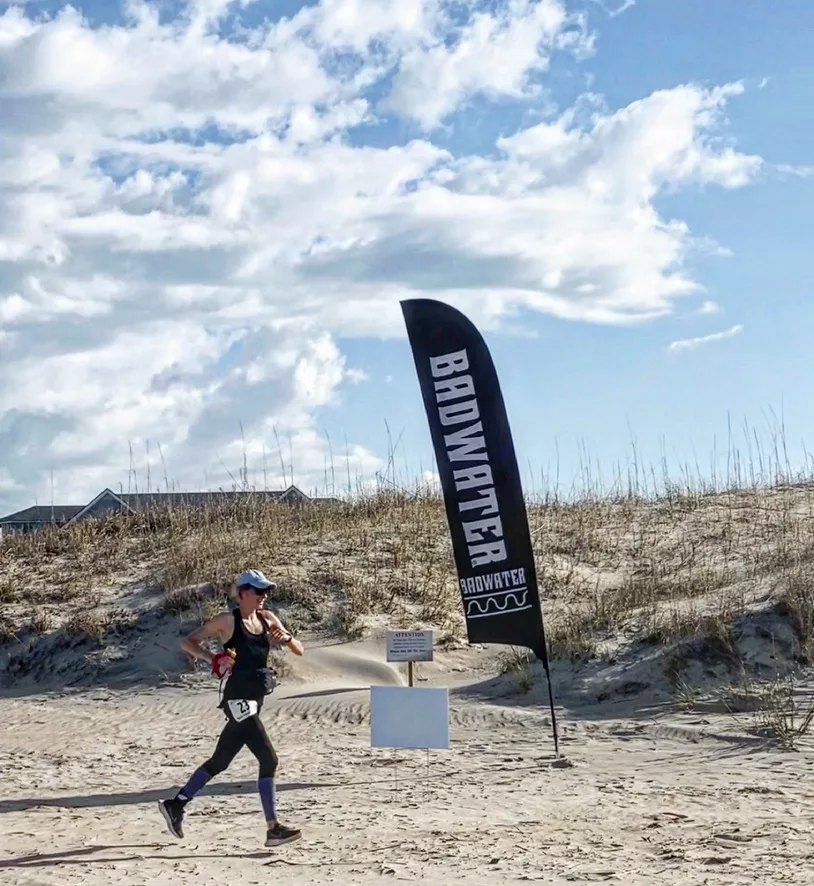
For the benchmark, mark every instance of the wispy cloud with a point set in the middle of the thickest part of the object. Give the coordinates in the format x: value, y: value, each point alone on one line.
x: 791, y: 169
x: 690, y: 344
x: 623, y: 7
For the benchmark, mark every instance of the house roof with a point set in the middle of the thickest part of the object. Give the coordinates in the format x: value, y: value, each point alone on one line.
x: 135, y: 501
x: 105, y: 493
x: 43, y: 514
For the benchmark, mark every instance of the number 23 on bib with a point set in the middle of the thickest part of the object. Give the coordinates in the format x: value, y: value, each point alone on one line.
x: 241, y: 709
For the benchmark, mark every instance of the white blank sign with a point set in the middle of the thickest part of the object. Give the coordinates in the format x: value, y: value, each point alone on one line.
x: 409, y: 717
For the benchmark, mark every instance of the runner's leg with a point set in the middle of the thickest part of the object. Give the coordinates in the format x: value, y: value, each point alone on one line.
x: 259, y: 743
x: 232, y: 739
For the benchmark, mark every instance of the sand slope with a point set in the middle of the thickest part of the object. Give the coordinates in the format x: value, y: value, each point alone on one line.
x: 655, y: 797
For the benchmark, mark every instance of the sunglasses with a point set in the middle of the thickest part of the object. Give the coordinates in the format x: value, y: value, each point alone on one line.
x: 261, y: 592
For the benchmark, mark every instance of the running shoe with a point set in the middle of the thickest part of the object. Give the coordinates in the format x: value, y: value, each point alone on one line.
x: 173, y: 812
x: 280, y: 834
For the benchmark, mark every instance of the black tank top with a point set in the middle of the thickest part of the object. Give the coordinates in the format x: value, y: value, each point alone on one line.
x: 250, y: 677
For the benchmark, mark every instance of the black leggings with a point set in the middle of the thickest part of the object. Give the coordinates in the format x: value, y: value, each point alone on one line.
x: 249, y: 732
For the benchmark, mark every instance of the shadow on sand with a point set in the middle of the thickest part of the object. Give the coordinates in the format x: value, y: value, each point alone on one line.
x: 324, y: 693
x: 83, y: 801
x: 83, y: 856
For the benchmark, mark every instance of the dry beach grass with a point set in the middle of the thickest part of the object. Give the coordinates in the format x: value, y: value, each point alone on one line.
x: 679, y: 624
x: 681, y: 570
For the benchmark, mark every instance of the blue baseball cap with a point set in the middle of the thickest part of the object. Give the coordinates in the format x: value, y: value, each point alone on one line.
x: 254, y: 578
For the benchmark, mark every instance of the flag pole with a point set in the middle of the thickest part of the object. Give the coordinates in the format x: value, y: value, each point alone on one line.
x: 480, y: 479
x: 542, y: 654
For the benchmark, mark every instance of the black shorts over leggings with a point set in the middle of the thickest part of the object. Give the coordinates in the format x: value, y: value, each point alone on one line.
x: 249, y: 732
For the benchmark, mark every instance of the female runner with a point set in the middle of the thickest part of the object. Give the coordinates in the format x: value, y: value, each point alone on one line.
x: 247, y: 635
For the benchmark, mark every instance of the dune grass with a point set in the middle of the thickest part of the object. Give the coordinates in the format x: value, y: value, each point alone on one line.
x: 678, y: 564
x: 681, y: 566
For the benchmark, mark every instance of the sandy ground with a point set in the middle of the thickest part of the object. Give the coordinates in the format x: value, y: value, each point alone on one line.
x: 650, y: 798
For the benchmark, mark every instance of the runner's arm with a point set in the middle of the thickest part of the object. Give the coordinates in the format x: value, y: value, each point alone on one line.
x: 217, y: 627
x: 280, y: 633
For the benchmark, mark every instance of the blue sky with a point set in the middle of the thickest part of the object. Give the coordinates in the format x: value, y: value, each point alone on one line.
x: 603, y: 388
x: 204, y: 280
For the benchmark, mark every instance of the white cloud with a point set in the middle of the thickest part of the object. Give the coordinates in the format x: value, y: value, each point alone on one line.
x: 691, y: 344
x: 431, y: 481
x: 623, y: 7
x: 791, y: 169
x: 494, y: 54
x: 192, y: 218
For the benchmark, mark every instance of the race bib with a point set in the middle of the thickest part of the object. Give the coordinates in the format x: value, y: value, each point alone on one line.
x: 241, y: 708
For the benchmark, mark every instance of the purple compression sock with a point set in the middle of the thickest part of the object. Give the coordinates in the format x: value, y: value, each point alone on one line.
x: 199, y: 778
x: 268, y: 797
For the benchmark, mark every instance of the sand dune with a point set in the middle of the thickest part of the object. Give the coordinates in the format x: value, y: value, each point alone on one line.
x: 661, y: 618
x: 664, y: 798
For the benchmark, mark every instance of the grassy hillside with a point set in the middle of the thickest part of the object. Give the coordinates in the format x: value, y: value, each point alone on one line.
x: 722, y: 577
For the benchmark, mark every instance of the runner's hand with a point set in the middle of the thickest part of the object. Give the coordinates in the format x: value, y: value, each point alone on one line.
x: 278, y: 635
x: 222, y: 664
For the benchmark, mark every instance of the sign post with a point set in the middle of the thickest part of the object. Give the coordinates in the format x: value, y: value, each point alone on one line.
x: 409, y: 718
x: 409, y: 646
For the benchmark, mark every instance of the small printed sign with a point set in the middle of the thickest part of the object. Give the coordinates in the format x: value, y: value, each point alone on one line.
x: 409, y: 645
